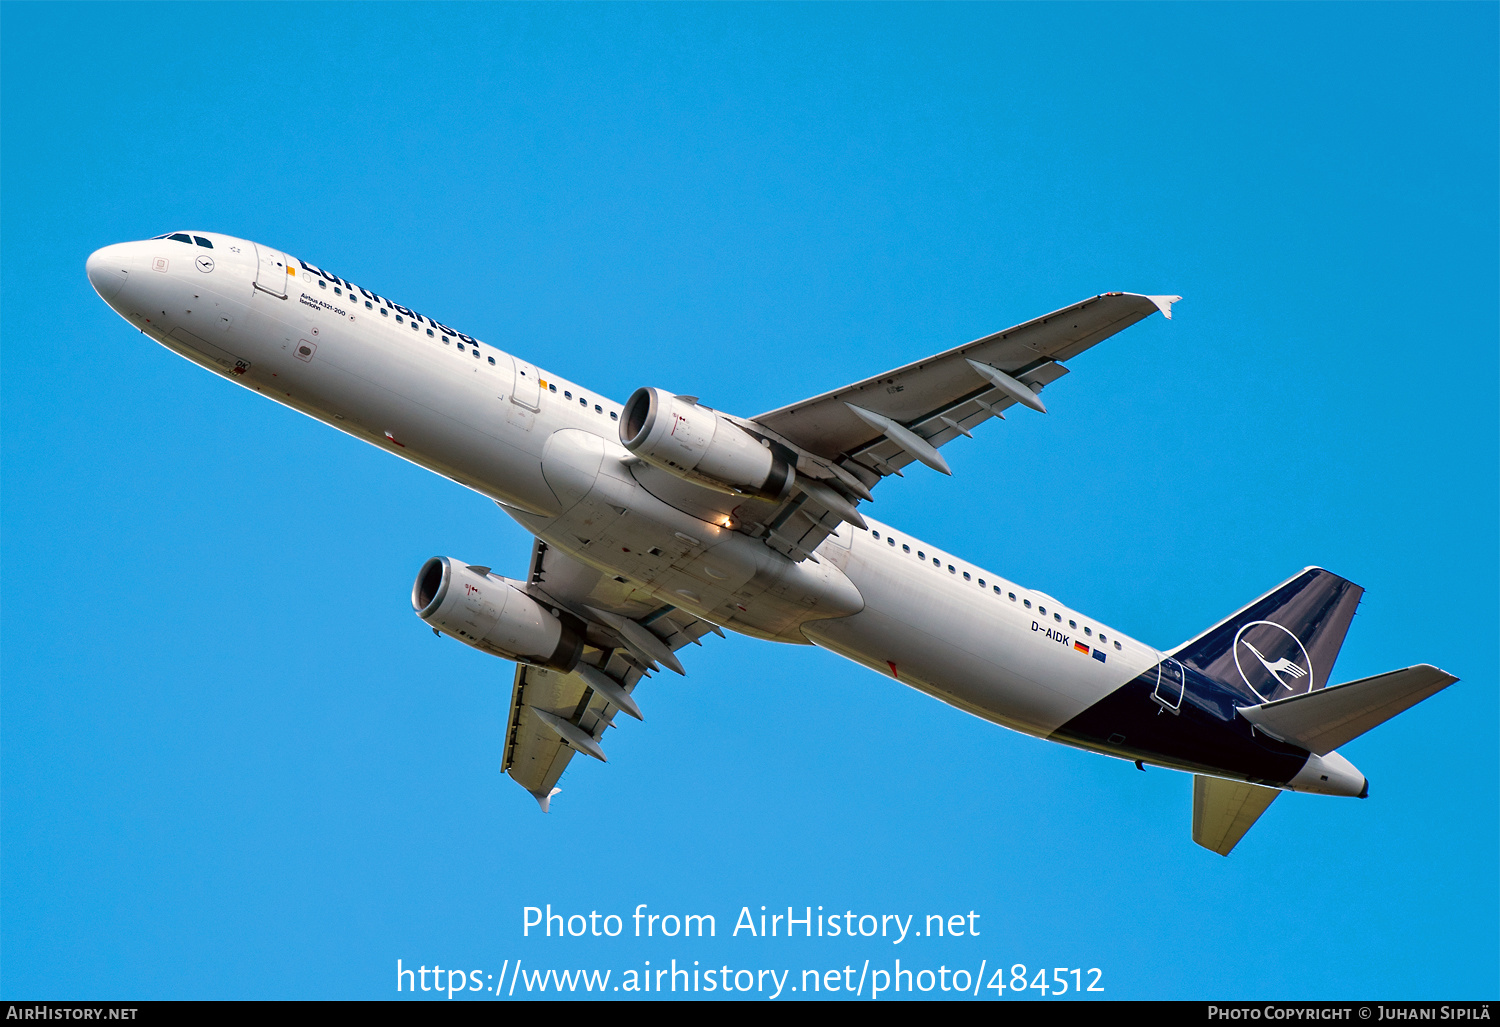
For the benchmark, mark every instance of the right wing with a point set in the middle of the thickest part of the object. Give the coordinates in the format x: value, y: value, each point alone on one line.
x: 851, y: 438
x: 554, y: 714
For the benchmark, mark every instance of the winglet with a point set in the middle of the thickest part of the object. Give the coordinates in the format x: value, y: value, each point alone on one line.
x: 1164, y: 304
x: 545, y: 800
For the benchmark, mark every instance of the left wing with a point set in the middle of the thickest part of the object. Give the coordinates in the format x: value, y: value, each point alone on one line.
x: 554, y: 714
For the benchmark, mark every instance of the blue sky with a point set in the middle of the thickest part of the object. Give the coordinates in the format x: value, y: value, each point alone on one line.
x: 235, y: 765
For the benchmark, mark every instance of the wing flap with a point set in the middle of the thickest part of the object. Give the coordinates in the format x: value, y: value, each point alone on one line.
x: 1224, y: 810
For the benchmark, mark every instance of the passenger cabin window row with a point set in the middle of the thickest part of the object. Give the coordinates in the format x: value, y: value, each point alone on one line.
x: 995, y: 589
x: 583, y: 401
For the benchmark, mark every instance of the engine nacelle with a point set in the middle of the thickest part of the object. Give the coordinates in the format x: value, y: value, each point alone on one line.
x: 495, y: 615
x: 700, y: 444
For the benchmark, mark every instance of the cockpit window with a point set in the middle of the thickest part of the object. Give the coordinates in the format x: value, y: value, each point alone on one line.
x: 203, y: 242
x: 181, y: 237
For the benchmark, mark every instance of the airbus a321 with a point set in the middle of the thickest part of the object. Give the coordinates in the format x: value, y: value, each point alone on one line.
x: 662, y: 520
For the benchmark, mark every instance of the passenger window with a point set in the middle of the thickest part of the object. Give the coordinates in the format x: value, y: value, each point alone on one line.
x: 385, y: 312
x: 1117, y: 645
x: 997, y: 590
x: 1088, y: 631
x: 1057, y: 617
x: 905, y: 548
x: 875, y: 533
x: 567, y: 394
x: 981, y: 582
x: 1072, y: 624
x: 921, y: 555
x: 966, y: 575
x: 476, y: 352
x: 1102, y: 638
x: 1042, y: 610
x: 368, y: 305
x: 322, y: 284
x: 203, y: 242
x: 936, y: 562
x: 445, y: 340
x: 179, y: 237
x: 613, y: 416
x: 583, y: 401
x: 951, y: 569
x: 1012, y: 597
x: 337, y: 291
x: 460, y: 345
x: 551, y: 388
x: 890, y: 541
x: 398, y: 319
x: 598, y: 409
x: 492, y: 360
x: 429, y: 333
x: 1027, y: 602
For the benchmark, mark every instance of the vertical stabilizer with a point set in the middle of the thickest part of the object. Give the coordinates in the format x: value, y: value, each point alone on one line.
x: 1224, y: 810
x: 1284, y: 643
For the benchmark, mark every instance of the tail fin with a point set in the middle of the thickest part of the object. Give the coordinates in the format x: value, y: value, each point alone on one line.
x: 1284, y: 643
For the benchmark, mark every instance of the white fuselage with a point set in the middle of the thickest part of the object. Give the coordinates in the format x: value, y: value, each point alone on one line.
x: 548, y: 452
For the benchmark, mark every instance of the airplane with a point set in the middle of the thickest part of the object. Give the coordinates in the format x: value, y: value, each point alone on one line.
x: 663, y: 520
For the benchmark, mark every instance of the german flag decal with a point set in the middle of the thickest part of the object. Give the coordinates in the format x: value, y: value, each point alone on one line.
x: 1081, y: 648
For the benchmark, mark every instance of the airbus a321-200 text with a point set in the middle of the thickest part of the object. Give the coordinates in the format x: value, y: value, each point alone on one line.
x: 663, y: 520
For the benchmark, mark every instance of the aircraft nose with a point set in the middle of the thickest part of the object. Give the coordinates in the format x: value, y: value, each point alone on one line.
x: 109, y: 269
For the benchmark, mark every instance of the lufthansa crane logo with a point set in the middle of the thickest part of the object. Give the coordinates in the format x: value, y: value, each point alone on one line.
x: 1272, y: 661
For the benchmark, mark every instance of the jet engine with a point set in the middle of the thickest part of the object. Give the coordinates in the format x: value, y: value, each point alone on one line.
x: 495, y: 615
x: 698, y: 443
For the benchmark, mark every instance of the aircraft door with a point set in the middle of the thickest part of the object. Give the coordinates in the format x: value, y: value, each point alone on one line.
x: 1171, y: 679
x: 271, y: 275
x: 527, y: 390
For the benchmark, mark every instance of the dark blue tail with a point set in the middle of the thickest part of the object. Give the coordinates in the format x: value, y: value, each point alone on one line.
x: 1284, y: 643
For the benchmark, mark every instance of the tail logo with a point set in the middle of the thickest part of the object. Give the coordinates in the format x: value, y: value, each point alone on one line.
x: 1272, y: 661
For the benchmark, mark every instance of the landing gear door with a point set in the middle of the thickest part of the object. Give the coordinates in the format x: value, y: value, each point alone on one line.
x: 1171, y: 679
x: 271, y: 275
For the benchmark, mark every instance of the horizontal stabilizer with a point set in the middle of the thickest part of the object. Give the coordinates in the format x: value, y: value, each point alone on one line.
x: 1322, y: 721
x: 1224, y: 810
